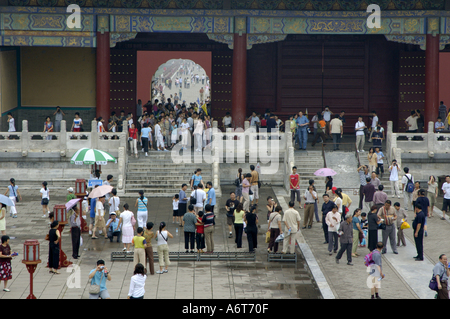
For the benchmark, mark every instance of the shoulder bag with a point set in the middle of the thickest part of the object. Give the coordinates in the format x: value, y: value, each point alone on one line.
x: 94, y: 289
x: 382, y: 226
x: 14, y: 192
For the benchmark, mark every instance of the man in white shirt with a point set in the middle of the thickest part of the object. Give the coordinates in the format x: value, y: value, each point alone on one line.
x: 310, y: 199
x: 159, y: 137
x: 327, y: 118
x: 407, y: 196
x: 374, y: 124
x: 254, y: 120
x: 359, y: 128
x: 337, y: 130
x: 411, y: 122
x: 227, y: 121
x: 200, y: 195
x: 393, y: 178
x: 446, y: 190
x: 291, y: 221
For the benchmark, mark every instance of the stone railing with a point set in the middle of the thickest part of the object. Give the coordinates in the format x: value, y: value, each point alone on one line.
x: 419, y: 143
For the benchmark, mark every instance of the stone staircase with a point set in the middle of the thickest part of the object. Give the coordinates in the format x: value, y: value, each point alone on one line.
x: 307, y: 163
x: 158, y: 176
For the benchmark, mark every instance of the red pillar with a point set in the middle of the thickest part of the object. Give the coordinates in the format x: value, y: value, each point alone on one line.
x: 239, y: 80
x: 103, y: 69
x: 431, y: 79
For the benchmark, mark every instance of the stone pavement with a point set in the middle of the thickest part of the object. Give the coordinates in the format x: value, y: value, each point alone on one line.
x: 187, y: 280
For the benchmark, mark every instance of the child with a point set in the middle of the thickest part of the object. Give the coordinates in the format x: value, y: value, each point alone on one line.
x: 175, y: 217
x: 139, y: 243
x: 380, y: 157
x: 365, y: 228
x: 199, y: 236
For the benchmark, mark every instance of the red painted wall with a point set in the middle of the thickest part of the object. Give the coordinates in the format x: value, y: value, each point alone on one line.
x: 444, y: 77
x: 149, y: 61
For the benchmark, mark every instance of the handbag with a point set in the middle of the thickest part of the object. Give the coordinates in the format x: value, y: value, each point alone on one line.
x: 433, y: 285
x: 17, y: 198
x: 268, y: 231
x: 94, y: 289
x: 45, y: 201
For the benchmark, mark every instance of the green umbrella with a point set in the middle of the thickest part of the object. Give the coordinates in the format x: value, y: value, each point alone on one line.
x: 91, y: 156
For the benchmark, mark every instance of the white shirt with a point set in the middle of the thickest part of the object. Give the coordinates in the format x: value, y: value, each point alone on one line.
x: 77, y: 122
x: 326, y: 115
x: 446, y: 188
x: 198, y: 128
x: 199, y: 195
x: 114, y: 204
x: 160, y: 239
x: 227, y: 120
x: 158, y: 130
x: 405, y: 180
x: 254, y: 120
x: 374, y: 121
x: 137, y: 285
x: 358, y: 125
x: 45, y: 193
x: 394, y: 174
x: 12, y: 128
x: 99, y: 207
x: 126, y: 218
x: 309, y: 197
x: 175, y: 204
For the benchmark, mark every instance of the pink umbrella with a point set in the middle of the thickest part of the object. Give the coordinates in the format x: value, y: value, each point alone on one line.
x: 100, y: 191
x: 72, y: 203
x: 325, y: 172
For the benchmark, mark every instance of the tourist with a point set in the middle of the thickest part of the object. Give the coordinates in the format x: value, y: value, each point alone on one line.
x: 373, y: 221
x: 48, y: 127
x: 54, y: 237
x: 314, y: 121
x: 162, y: 235
x: 14, y: 194
x: 374, y: 124
x: 364, y: 226
x: 98, y: 277
x: 254, y: 182
x: 337, y: 130
x: 114, y: 202
x: 411, y: 122
x: 379, y: 197
x: 132, y: 138
x: 182, y: 202
x: 11, y: 123
x: 251, y: 229
x: 100, y: 127
x: 442, y: 110
x: 274, y: 226
x: 211, y: 195
x: 139, y: 243
x: 291, y: 220
x: 376, y: 272
x: 5, y: 262
x: 446, y: 191
x: 128, y: 223
x: 333, y: 220
x: 148, y: 234
x: 159, y: 135
x: 388, y: 216
x: 77, y: 123
x: 3, y: 219
x: 401, y: 218
x: 230, y: 206
x: 188, y: 224
x: 310, y: 197
x: 198, y: 133
x: 45, y: 198
x: 407, y: 187
x: 357, y: 231
x: 327, y: 117
x: 92, y: 205
x: 415, y: 192
x: 196, y: 179
x: 368, y: 192
x: 113, y: 227
x: 70, y: 195
x: 137, y: 283
x: 271, y: 205
x: 145, y: 137
x: 209, y: 224
x: 227, y: 120
x: 360, y: 138
x: 328, y: 184
x: 246, y: 191
x: 439, y: 126
x: 417, y: 226
x: 200, y: 233
x: 346, y: 239
x: 374, y: 180
x: 99, y: 218
x: 200, y: 197
x: 372, y: 157
x: 338, y: 201
x: 302, y: 130
x: 425, y: 203
x: 294, y: 185
x: 327, y: 206
x: 432, y: 193
x: 142, y: 211
x: 380, y: 157
x: 441, y: 272
x: 394, y: 169
x: 58, y: 118
x: 185, y: 137
x: 175, y: 208
x: 238, y: 184
x: 75, y: 231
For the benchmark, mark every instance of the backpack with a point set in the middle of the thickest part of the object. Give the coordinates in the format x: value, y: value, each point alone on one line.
x: 368, y: 259
x: 409, y: 185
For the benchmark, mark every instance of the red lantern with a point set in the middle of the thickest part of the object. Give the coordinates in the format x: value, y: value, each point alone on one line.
x: 31, y: 259
x: 60, y: 214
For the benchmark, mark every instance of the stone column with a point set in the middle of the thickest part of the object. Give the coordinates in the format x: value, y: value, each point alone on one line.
x: 102, y: 76
x: 431, y: 79
x: 239, y: 80
x: 63, y: 139
x: 94, y: 135
x: 24, y: 138
x: 430, y: 139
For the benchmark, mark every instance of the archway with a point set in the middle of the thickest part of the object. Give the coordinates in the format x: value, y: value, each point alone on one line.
x: 148, y: 63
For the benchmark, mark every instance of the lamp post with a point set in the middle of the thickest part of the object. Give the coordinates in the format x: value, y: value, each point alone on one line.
x: 80, y: 192
x: 31, y: 259
x: 60, y: 215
